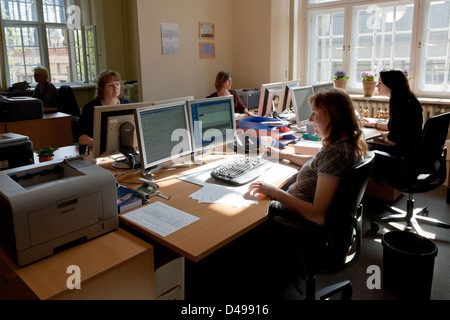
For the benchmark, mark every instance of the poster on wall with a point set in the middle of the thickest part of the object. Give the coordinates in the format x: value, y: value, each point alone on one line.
x: 169, y: 38
x: 206, y: 30
x: 207, y: 50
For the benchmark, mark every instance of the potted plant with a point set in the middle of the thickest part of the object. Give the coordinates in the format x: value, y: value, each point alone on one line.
x: 340, y: 79
x: 46, y: 153
x: 368, y: 82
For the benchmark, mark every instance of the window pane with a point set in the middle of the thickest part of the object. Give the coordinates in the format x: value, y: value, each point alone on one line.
x: 321, y: 1
x: 435, y: 60
x: 58, y: 54
x: 381, y: 37
x: 54, y: 11
x: 91, y: 53
x: 22, y: 49
x: 22, y: 10
x: 326, y: 41
x: 77, y: 56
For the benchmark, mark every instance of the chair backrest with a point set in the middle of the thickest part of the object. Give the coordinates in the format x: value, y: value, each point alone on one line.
x: 433, y: 138
x: 343, y: 221
x: 67, y: 101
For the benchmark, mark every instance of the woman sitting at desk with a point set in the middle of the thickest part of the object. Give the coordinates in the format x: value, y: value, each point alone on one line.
x: 405, y: 115
x: 310, y: 196
x: 223, y: 87
x: 45, y: 90
x: 109, y: 92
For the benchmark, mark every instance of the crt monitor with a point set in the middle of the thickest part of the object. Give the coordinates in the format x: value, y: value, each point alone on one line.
x: 115, y: 133
x: 287, y: 99
x: 212, y: 122
x: 300, y: 102
x: 324, y: 86
x: 267, y: 103
x: 163, y: 134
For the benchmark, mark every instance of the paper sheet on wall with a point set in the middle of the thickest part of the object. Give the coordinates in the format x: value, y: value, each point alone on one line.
x: 169, y: 38
x: 160, y: 218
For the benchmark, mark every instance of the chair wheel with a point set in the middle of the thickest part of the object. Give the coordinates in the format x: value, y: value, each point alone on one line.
x: 374, y: 226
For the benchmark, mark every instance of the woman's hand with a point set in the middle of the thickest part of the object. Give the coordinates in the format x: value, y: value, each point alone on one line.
x: 263, y: 188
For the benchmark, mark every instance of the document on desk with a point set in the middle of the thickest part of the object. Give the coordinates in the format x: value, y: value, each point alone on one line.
x: 214, y: 191
x: 160, y: 218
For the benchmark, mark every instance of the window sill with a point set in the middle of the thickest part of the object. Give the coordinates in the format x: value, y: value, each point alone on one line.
x: 377, y: 98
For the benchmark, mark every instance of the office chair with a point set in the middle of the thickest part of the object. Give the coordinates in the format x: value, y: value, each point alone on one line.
x: 331, y: 248
x: 67, y: 103
x: 423, y: 172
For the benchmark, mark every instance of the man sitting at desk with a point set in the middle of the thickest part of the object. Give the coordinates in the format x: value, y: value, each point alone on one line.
x: 45, y: 90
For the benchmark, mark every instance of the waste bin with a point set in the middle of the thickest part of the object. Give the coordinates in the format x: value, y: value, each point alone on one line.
x: 408, y: 264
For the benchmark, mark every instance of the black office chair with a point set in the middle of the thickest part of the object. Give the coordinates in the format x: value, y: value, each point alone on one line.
x: 423, y: 172
x: 333, y: 247
x: 67, y: 102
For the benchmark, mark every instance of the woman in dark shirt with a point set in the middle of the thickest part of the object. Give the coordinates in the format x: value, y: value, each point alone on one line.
x: 405, y: 115
x: 223, y: 87
x: 109, y: 92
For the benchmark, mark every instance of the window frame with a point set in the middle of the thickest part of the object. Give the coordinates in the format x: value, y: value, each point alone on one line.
x: 415, y: 56
x: 42, y: 27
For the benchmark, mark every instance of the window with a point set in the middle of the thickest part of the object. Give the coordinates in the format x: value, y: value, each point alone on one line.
x: 356, y: 36
x: 37, y: 32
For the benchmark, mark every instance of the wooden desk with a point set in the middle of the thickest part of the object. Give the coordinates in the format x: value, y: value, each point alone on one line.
x: 116, y: 265
x: 54, y: 129
x: 217, y: 226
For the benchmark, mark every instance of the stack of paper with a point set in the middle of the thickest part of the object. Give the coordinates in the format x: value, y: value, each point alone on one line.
x: 231, y: 196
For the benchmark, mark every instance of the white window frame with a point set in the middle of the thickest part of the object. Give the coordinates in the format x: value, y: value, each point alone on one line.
x: 354, y: 87
x: 42, y: 26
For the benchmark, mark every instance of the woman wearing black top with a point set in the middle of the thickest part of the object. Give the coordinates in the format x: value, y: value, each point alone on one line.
x: 405, y: 115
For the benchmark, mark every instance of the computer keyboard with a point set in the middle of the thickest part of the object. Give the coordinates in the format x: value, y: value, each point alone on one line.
x: 241, y: 171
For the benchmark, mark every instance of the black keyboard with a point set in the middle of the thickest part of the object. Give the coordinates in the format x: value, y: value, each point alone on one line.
x: 241, y: 171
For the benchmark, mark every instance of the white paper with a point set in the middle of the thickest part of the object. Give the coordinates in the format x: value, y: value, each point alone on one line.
x: 160, y: 218
x: 169, y: 38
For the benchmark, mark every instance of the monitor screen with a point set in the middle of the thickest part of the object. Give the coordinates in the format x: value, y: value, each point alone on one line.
x: 267, y: 93
x: 107, y: 123
x: 324, y: 86
x: 212, y: 122
x: 287, y: 99
x: 163, y: 133
x: 300, y: 102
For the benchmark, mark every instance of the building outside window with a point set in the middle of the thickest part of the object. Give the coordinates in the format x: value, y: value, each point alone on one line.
x: 39, y: 33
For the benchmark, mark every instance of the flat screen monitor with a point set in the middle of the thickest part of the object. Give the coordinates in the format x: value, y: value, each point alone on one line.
x: 212, y: 122
x: 300, y: 102
x: 180, y: 99
x: 287, y: 99
x: 324, y: 86
x: 268, y: 92
x: 163, y: 134
x: 108, y: 122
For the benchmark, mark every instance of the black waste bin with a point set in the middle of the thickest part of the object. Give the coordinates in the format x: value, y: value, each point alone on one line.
x: 408, y: 264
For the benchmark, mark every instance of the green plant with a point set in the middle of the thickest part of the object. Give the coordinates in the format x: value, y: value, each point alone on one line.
x: 46, y: 151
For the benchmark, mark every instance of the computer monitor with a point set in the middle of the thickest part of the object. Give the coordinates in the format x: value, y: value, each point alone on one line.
x: 287, y: 100
x: 115, y: 133
x: 324, y: 86
x: 163, y: 135
x: 212, y: 122
x: 300, y: 102
x: 266, y: 98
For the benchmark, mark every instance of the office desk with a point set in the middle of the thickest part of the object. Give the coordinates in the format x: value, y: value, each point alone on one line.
x: 54, y: 129
x: 116, y: 265
x: 217, y: 226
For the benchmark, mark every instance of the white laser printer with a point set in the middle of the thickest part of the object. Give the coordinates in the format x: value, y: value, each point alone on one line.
x: 46, y: 206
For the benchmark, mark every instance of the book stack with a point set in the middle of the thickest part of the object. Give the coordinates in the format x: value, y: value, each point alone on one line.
x: 127, y: 199
x: 306, y: 147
